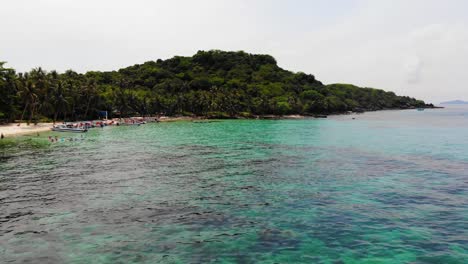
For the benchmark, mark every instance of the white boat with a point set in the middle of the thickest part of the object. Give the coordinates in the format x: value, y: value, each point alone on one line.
x: 65, y: 128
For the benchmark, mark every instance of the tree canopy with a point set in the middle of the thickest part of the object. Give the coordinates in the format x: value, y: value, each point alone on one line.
x: 210, y: 83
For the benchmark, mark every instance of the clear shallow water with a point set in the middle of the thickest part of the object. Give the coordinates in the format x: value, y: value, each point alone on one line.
x: 388, y: 187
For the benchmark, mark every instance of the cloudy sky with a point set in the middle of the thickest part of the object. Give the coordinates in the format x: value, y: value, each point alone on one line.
x: 413, y: 47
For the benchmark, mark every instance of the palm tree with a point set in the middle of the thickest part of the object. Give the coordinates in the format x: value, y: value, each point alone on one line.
x: 59, y: 101
x: 89, y: 91
x: 29, y: 94
x: 73, y: 87
x: 42, y: 83
x: 122, y: 96
x: 8, y: 92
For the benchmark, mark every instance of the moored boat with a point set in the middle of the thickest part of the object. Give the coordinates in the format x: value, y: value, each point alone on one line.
x: 129, y: 124
x: 132, y: 122
x: 65, y: 128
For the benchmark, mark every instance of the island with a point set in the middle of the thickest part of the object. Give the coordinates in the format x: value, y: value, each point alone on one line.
x: 455, y: 102
x: 213, y: 84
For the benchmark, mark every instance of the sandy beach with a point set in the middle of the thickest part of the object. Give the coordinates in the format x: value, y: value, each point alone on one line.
x: 15, y: 130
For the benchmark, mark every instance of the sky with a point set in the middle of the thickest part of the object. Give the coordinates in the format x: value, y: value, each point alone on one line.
x: 417, y: 48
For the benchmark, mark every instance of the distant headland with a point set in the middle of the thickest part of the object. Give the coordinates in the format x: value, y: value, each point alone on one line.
x: 216, y: 84
x: 455, y: 102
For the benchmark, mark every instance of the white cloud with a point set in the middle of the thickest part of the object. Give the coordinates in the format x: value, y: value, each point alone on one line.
x: 411, y: 47
x: 413, y: 67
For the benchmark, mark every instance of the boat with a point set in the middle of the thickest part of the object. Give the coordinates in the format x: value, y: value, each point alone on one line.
x: 420, y: 109
x: 320, y: 116
x: 65, y: 128
x: 132, y: 122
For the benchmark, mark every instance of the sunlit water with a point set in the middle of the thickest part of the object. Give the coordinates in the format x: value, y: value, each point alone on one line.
x: 386, y: 187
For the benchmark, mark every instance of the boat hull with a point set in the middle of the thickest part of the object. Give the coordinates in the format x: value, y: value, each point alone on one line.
x: 125, y: 124
x: 72, y: 130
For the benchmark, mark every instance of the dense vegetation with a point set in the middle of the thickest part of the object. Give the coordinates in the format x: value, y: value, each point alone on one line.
x: 210, y: 83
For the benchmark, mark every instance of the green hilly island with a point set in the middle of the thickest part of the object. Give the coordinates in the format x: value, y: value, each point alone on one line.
x: 213, y: 83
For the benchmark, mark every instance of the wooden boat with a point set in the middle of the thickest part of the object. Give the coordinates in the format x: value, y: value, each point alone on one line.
x: 65, y: 128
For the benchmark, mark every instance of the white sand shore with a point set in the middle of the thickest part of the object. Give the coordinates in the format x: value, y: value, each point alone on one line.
x: 15, y: 130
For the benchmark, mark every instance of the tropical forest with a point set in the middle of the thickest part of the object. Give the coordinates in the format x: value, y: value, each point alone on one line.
x: 213, y: 84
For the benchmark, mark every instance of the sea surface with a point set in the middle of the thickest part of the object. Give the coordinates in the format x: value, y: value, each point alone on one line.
x: 384, y: 187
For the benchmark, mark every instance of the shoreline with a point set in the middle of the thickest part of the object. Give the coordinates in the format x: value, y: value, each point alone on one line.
x: 12, y: 129
x: 256, y: 117
x: 278, y: 117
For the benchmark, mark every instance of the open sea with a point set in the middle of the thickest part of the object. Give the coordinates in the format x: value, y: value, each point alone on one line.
x: 385, y: 187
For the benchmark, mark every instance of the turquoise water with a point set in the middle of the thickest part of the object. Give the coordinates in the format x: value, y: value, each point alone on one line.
x: 386, y: 187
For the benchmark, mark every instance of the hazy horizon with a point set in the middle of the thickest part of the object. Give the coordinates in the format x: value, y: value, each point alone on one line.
x: 416, y: 48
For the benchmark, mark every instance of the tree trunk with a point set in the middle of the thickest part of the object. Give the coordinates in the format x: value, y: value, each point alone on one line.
x: 22, y: 115
x: 87, y: 108
x: 31, y: 114
x: 73, y: 114
x: 55, y: 116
